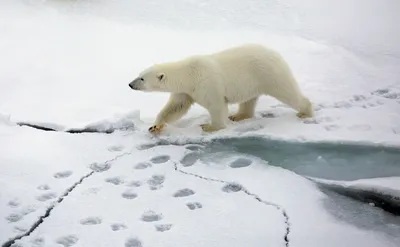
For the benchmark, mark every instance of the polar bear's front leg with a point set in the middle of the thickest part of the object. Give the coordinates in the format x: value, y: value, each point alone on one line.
x: 177, y: 106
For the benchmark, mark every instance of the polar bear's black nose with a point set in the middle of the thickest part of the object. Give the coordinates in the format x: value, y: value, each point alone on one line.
x: 130, y: 85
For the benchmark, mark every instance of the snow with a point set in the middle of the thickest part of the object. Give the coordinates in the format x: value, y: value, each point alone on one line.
x: 66, y: 65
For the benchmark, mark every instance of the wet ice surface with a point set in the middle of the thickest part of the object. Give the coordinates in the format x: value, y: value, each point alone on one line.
x: 321, y: 160
x: 169, y: 195
x: 362, y: 215
x: 363, y: 206
x: 126, y: 215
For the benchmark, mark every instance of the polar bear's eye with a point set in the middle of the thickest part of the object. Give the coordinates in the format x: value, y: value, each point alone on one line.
x: 141, y: 78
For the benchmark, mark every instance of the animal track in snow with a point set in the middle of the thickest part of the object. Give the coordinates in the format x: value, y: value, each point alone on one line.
x: 195, y: 147
x: 155, y: 187
x: 90, y: 221
x: 68, y: 240
x: 28, y: 210
x: 118, y: 227
x: 387, y: 93
x: 129, y: 195
x: 163, y: 227
x: 43, y: 187
x: 380, y: 91
x: 240, y: 163
x: 190, y: 158
x: 332, y: 127
x: 46, y: 196
x: 372, y: 104
x: 147, y: 146
x: 232, y: 187
x: 20, y: 229
x: 160, y: 159
x: 115, y: 148
x: 358, y: 98
x: 133, y: 242
x: 318, y: 120
x: 151, y: 216
x: 342, y: 105
x: 100, y: 167
x: 268, y: 115
x: 14, y: 217
x: 194, y: 205
x: 63, y: 174
x: 38, y: 242
x: 156, y: 181
x: 14, y: 203
x: 184, y: 193
x: 134, y: 183
x: 142, y: 165
x: 115, y: 180
x: 91, y: 191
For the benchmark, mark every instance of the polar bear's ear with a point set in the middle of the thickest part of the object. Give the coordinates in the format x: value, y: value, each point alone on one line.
x: 161, y: 76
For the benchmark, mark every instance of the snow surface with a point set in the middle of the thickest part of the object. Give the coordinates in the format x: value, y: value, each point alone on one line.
x: 66, y: 65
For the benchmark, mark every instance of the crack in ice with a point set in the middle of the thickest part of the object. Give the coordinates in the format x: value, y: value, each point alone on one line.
x: 71, y: 131
x: 247, y: 192
x: 47, y: 213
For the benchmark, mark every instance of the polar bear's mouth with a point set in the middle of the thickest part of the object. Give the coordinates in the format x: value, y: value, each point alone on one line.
x: 137, y: 84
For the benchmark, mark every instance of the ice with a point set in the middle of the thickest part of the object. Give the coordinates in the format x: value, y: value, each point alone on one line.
x: 5, y: 120
x: 273, y: 180
x: 148, y: 217
x: 122, y: 122
x: 382, y: 192
x: 38, y: 167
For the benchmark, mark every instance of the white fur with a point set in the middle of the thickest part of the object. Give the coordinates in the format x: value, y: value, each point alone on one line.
x: 236, y: 75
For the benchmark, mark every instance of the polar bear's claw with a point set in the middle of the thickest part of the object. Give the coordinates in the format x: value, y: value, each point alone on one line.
x: 302, y: 115
x: 208, y: 128
x: 238, y: 117
x: 156, y: 129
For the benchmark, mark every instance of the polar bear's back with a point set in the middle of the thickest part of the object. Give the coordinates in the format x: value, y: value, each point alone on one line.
x: 251, y: 59
x: 253, y: 68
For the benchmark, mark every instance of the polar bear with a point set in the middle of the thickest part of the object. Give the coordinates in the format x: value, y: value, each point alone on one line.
x: 237, y: 75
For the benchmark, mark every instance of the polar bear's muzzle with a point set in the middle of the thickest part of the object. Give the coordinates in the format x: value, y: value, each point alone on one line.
x: 137, y: 84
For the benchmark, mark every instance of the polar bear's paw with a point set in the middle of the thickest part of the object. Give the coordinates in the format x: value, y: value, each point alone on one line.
x: 156, y: 129
x: 303, y: 115
x: 209, y: 128
x: 239, y: 117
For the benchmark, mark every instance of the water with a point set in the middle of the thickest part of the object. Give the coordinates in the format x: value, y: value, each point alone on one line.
x: 329, y: 161
x: 322, y: 160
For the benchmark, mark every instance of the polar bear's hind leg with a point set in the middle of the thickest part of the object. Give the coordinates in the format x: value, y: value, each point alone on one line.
x: 218, y: 113
x: 246, y: 110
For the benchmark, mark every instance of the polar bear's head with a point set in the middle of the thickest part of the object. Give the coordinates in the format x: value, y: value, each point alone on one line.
x: 150, y: 80
x: 166, y: 77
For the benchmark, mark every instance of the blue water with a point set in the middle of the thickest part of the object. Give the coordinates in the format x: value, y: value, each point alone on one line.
x: 322, y: 160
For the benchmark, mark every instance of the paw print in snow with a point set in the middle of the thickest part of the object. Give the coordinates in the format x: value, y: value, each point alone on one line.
x: 184, y: 193
x: 160, y: 159
x: 194, y: 205
x: 63, y: 174
x: 150, y: 216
